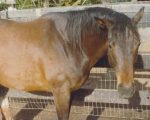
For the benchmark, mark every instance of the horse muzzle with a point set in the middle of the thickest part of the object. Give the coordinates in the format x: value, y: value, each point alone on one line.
x: 126, y: 91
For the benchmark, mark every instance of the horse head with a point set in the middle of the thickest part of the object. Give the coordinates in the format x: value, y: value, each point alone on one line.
x: 123, y: 44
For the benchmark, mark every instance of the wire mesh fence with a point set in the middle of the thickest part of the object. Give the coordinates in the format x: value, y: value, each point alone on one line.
x: 96, y: 100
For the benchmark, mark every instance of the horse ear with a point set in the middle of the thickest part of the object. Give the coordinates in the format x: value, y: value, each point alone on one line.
x: 138, y: 16
x: 103, y: 22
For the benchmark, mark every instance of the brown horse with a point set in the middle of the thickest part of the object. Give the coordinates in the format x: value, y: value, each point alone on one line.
x: 56, y: 52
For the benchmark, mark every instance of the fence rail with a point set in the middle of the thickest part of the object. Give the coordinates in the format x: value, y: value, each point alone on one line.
x: 129, y: 9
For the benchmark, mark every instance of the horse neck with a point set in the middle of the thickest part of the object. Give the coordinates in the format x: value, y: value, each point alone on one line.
x: 96, y: 45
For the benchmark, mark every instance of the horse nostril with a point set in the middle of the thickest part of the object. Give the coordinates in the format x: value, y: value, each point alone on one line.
x: 126, y: 91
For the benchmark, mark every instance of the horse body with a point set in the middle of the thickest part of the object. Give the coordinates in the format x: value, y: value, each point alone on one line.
x: 30, y: 57
x: 56, y: 52
x: 34, y: 57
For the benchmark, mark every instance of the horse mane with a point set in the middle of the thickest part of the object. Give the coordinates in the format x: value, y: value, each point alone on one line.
x: 82, y: 20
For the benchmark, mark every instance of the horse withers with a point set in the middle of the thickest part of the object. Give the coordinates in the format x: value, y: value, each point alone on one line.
x: 56, y: 52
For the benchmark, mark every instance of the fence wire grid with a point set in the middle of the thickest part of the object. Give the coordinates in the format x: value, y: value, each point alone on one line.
x: 97, y: 100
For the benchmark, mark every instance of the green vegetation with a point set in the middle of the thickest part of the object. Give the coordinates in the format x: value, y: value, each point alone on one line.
x: 78, y: 2
x: 3, y: 6
x: 52, y: 3
x: 24, y: 4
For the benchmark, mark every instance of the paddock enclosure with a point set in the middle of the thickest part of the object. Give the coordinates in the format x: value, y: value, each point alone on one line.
x: 98, y: 99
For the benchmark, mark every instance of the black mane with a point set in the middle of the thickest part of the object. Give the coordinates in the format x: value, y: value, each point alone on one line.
x: 82, y: 20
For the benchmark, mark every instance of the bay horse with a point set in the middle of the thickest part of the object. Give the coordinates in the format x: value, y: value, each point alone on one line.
x: 56, y: 52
